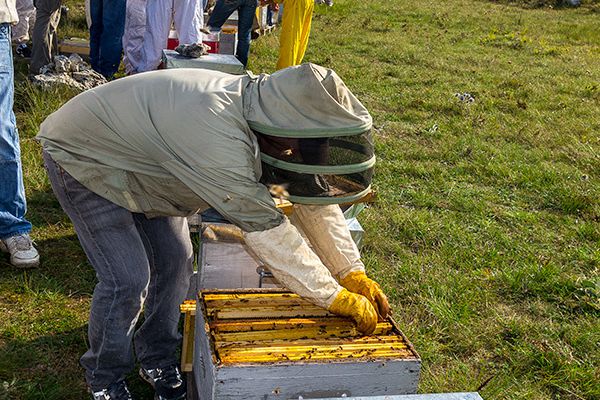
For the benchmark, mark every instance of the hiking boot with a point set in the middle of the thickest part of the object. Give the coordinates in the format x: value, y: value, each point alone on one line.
x: 167, y: 382
x: 22, y: 252
x: 116, y: 391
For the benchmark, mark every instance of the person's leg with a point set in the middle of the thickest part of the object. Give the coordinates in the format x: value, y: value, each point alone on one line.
x: 246, y: 13
x: 222, y: 11
x: 307, y: 8
x: 295, y: 29
x: 189, y: 20
x: 158, y: 24
x: 96, y: 7
x: 44, y: 34
x: 12, y: 192
x: 133, y: 35
x: 169, y: 251
x: 111, y: 45
x: 20, y: 32
x: 111, y: 241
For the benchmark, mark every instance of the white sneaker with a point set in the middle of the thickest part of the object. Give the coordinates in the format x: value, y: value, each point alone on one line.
x: 22, y: 252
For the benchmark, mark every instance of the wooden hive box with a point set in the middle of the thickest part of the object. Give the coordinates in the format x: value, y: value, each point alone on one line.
x: 271, y: 344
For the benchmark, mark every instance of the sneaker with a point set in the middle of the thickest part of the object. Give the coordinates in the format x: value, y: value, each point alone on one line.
x: 116, y: 391
x: 167, y: 382
x: 23, y: 50
x: 22, y: 252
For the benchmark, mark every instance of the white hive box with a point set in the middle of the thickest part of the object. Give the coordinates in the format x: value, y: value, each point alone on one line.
x: 216, y: 62
x: 228, y: 41
x: 270, y: 344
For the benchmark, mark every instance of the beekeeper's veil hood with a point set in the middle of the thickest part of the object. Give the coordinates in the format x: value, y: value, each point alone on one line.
x: 313, y: 133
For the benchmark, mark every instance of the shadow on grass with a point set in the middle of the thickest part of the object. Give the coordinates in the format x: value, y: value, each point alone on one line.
x: 48, y: 368
x: 43, y: 368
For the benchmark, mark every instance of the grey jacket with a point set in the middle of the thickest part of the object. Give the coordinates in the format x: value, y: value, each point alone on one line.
x: 8, y: 12
x: 173, y: 142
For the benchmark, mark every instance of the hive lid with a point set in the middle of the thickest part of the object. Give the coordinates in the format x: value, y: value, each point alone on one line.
x: 277, y: 326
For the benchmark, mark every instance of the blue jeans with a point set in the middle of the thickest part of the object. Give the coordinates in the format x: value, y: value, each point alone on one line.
x: 140, y: 263
x: 106, y: 35
x: 12, y: 191
x: 246, y: 10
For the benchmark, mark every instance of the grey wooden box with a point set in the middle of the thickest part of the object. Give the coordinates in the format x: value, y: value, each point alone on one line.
x: 216, y: 62
x: 296, y: 379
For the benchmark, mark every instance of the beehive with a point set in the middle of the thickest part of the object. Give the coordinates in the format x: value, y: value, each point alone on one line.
x: 271, y: 344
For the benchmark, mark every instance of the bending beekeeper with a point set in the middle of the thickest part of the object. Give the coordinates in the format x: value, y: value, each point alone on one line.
x: 130, y: 159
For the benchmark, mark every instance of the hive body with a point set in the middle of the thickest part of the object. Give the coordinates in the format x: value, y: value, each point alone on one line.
x: 271, y: 344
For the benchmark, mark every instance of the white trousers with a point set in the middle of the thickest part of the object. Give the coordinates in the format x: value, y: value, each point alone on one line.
x: 133, y: 37
x: 188, y: 18
x: 26, y: 12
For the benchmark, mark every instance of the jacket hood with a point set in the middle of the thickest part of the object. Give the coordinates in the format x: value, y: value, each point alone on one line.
x: 304, y: 101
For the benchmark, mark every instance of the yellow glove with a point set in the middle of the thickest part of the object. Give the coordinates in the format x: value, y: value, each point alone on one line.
x: 358, y: 282
x: 358, y: 308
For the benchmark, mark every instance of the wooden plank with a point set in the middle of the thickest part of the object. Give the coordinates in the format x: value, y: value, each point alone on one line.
x: 296, y: 356
x: 79, y: 46
x: 188, y: 306
x: 267, y: 312
x: 248, y: 295
x: 253, y: 305
x: 313, y: 349
x: 246, y: 325
x: 294, y: 333
x: 257, y: 302
x: 187, y: 346
x: 316, y: 380
x: 310, y: 343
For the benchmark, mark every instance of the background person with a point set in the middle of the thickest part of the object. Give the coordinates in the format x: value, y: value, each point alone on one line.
x: 295, y: 30
x: 246, y: 10
x: 133, y: 36
x: 188, y: 17
x: 14, y: 228
x: 21, y: 31
x: 45, y: 40
x: 106, y: 35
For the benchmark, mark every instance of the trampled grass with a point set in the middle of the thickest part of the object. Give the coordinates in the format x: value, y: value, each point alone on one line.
x: 486, y: 232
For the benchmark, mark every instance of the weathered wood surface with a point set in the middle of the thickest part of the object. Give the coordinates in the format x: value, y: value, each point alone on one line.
x: 275, y: 351
x: 316, y: 381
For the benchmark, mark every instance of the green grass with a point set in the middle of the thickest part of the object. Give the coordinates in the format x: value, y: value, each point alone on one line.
x: 486, y: 232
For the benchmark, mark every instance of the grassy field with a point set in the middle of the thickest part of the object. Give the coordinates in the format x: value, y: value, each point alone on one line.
x: 486, y: 233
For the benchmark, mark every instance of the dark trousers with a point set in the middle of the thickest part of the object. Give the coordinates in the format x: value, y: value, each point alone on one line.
x: 44, y: 38
x: 106, y: 35
x: 246, y: 10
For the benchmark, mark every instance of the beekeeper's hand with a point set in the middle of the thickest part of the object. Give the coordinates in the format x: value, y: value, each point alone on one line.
x: 358, y: 282
x: 358, y: 308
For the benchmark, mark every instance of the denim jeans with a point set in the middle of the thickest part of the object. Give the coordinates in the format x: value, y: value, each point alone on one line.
x: 140, y: 263
x: 246, y: 10
x: 106, y: 35
x: 12, y: 191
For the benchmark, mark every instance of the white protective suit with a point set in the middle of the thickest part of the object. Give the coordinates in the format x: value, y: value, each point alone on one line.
x: 133, y: 36
x: 180, y: 140
x: 188, y: 17
x: 21, y: 31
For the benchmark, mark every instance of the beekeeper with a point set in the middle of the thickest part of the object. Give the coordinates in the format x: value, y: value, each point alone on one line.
x: 295, y: 31
x: 130, y: 159
x: 188, y: 18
